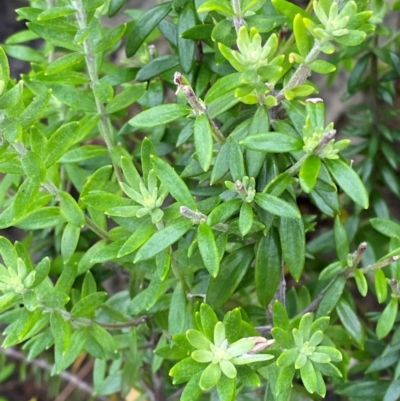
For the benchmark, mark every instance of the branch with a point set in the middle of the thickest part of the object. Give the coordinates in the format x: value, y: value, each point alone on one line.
x: 301, y: 73
x: 90, y: 58
x: 41, y: 364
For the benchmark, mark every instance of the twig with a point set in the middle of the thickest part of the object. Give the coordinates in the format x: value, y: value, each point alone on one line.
x: 175, y: 395
x: 90, y: 58
x: 302, y: 71
x: 117, y: 326
x: 86, y: 369
x: 41, y: 364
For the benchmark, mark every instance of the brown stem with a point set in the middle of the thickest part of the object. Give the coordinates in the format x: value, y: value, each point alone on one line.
x: 41, y: 364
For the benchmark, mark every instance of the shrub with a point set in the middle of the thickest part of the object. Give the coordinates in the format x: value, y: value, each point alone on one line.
x: 230, y: 210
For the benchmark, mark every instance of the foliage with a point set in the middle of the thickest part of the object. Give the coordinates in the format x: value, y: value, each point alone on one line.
x: 234, y: 288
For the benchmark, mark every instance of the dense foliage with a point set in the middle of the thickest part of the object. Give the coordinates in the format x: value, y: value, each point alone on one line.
x: 231, y: 210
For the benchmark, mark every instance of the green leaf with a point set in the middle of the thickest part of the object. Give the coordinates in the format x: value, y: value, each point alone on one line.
x: 23, y: 199
x: 34, y: 167
x: 101, y: 200
x: 186, y: 368
x: 210, y: 376
x: 73, y: 97
x: 186, y: 47
x: 147, y: 298
x: 67, y: 278
x: 288, y: 357
x: 352, y: 38
x: 105, y: 340
x: 137, y: 239
x: 331, y: 297
x: 289, y: 9
x: 236, y: 161
x: 35, y: 109
x: 247, y: 376
x: 88, y: 304
x: 89, y: 285
x: 301, y: 36
x: 351, y: 322
x: 70, y: 209
x: 208, y: 249
x: 291, y: 233
x: 198, y: 32
x: 203, y: 140
x: 223, y: 8
x: 8, y: 300
x: 246, y: 219
x: 126, y: 98
x: 192, y: 390
x: 381, y: 286
x: 176, y: 186
x: 144, y: 26
x: 341, y: 241
x: 387, y: 318
x: 268, y: 267
x: 273, y: 142
x: 82, y: 153
x: 163, y: 239
x: 277, y: 206
x: 4, y: 70
x: 110, y: 38
x: 59, y: 142
x: 61, y: 331
x: 322, y: 67
x: 177, y: 321
x: 157, y: 67
x: 232, y: 270
x: 223, y: 86
x: 158, y: 115
x: 223, y: 211
x: 53, y: 34
x: 11, y: 97
x: 283, y: 337
x: 309, y: 377
x: 386, y: 227
x: 285, y: 378
x: 349, y: 181
x: 208, y: 320
x: 115, y: 6
x: 42, y: 218
x: 55, y: 12
x: 69, y: 240
x: 226, y: 388
x: 309, y: 172
x: 64, y: 62
x: 24, y: 53
x: 280, y: 316
x: 361, y: 282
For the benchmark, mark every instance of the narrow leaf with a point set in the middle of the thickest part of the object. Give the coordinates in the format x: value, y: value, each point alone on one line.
x: 163, y: 238
x: 144, y: 25
x: 208, y: 249
x: 158, y: 115
x: 349, y: 181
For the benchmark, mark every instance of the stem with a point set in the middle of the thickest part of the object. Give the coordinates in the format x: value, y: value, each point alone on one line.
x: 196, y: 104
x: 117, y: 326
x: 41, y: 364
x: 301, y: 73
x: 293, y: 170
x: 90, y: 58
x: 85, y: 322
x: 198, y: 217
x: 377, y: 265
x: 238, y: 20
